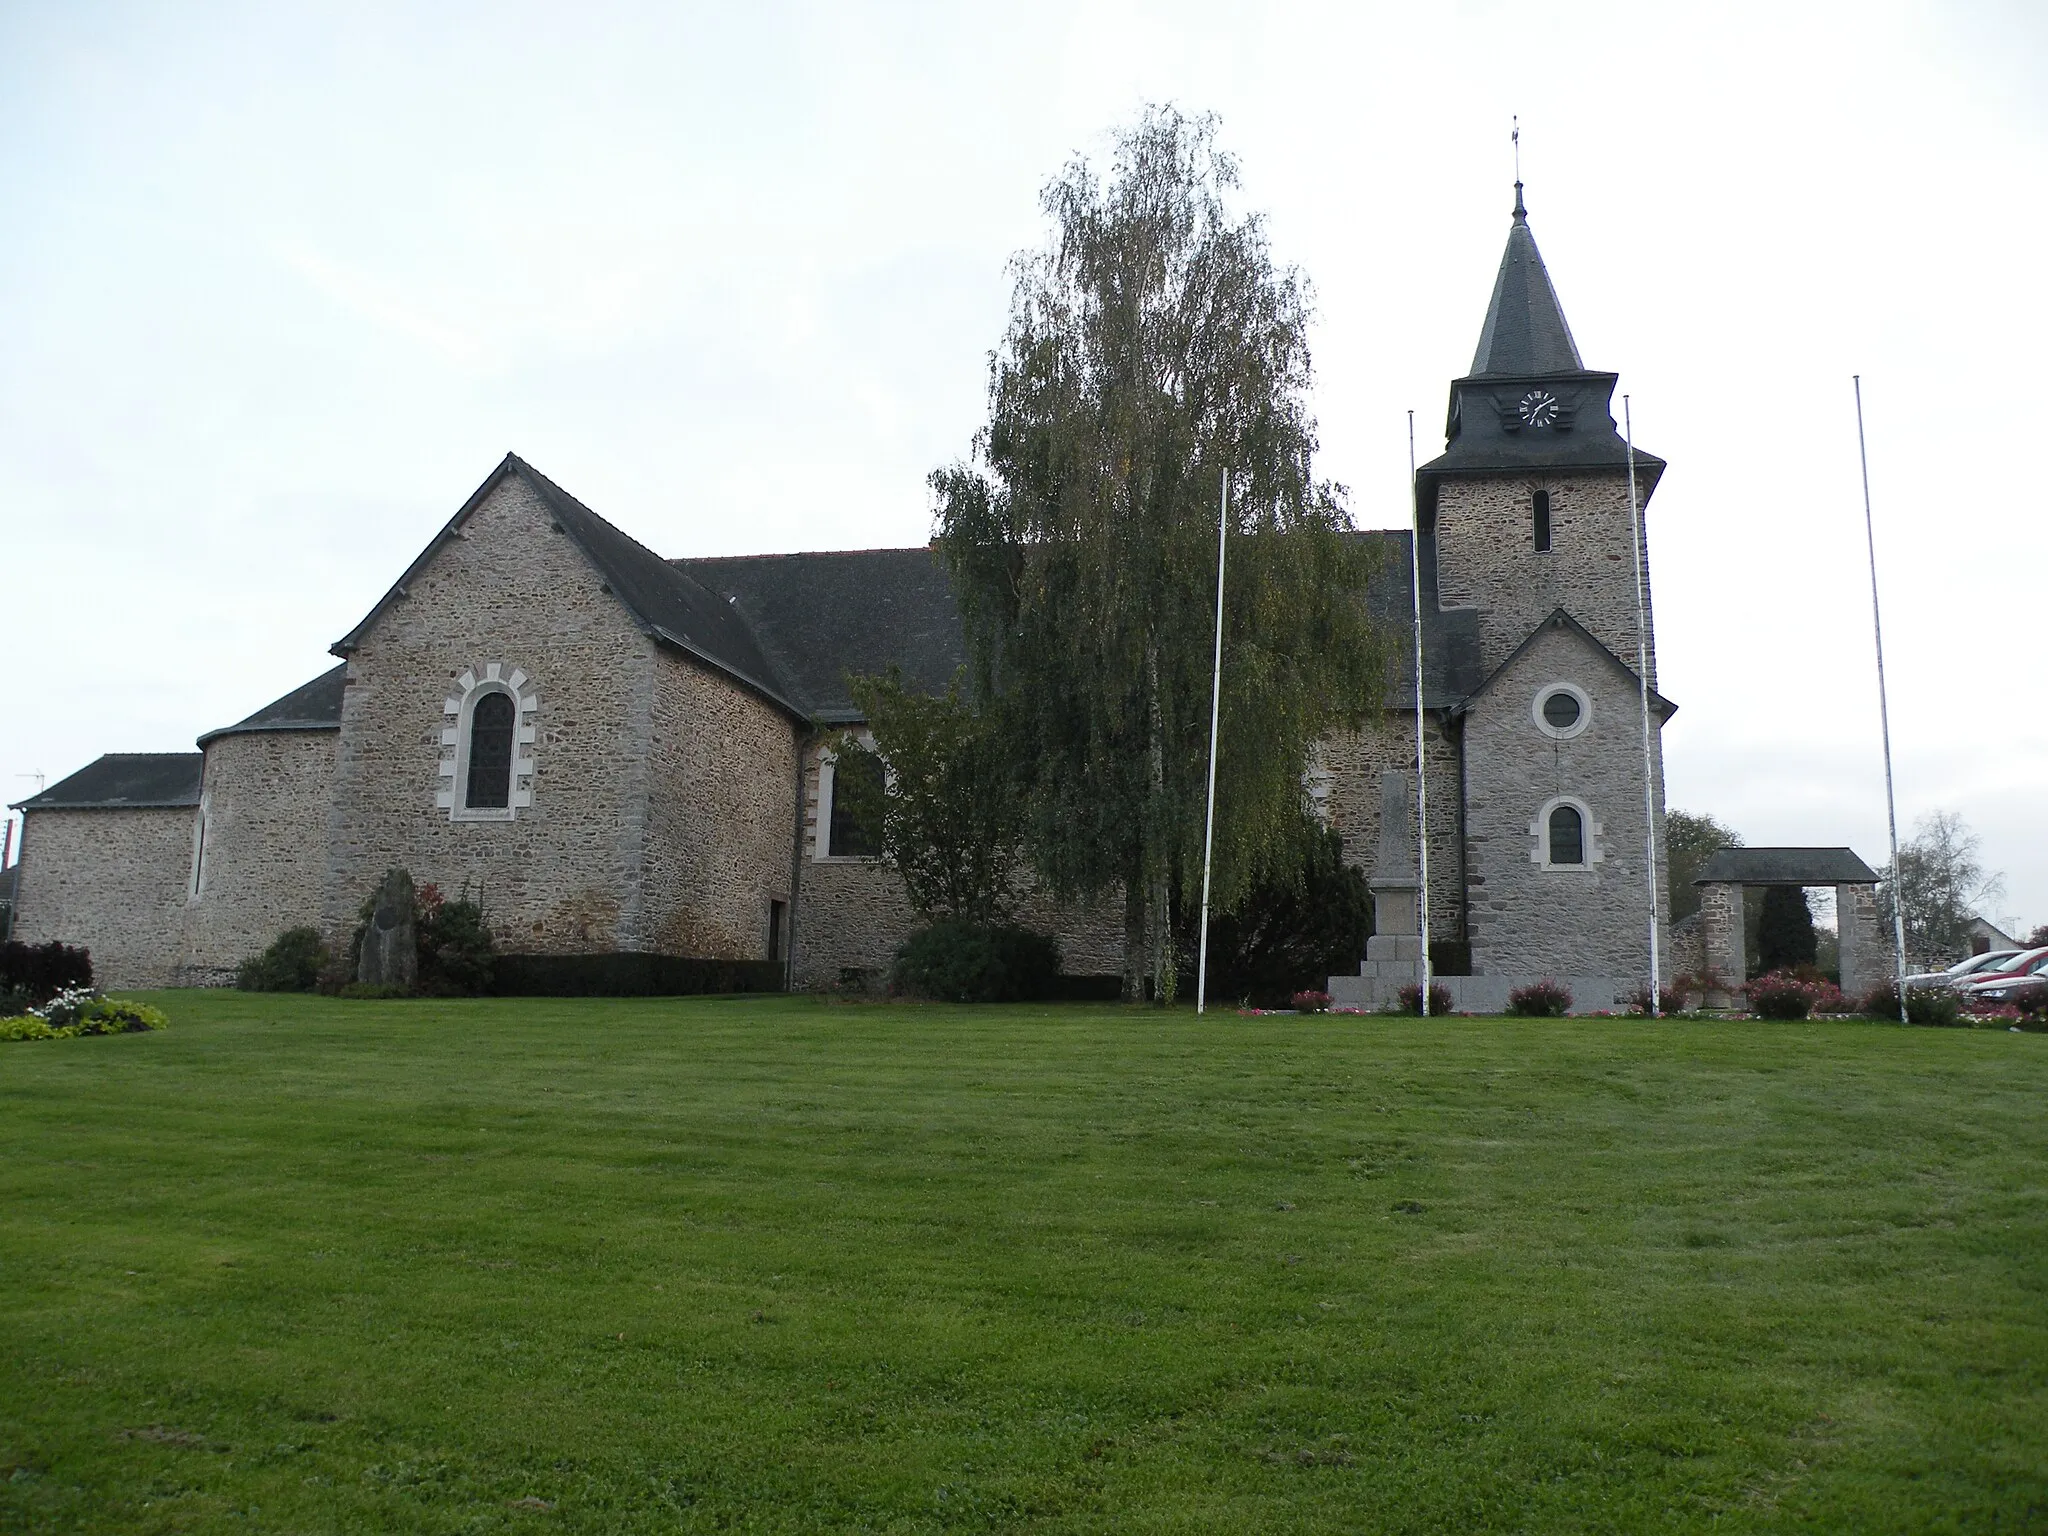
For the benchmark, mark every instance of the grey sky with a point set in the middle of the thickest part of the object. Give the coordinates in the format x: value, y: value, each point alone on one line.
x: 281, y: 284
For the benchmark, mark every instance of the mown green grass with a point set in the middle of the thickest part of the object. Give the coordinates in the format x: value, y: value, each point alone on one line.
x: 778, y: 1265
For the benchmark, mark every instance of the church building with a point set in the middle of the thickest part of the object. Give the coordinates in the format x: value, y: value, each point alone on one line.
x: 613, y: 751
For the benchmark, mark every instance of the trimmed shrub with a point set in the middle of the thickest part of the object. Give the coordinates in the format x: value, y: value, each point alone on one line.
x: 39, y: 972
x: 1779, y: 995
x: 1411, y: 999
x: 1311, y: 1002
x: 292, y: 963
x: 1543, y: 999
x: 977, y: 963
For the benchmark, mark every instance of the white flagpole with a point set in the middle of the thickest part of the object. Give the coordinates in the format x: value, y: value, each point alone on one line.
x: 1215, y: 717
x: 1421, y: 775
x: 1884, y: 713
x: 1635, y: 522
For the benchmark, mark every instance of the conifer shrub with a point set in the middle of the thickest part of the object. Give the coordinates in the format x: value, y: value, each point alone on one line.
x: 955, y: 962
x: 1545, y: 999
x: 292, y: 963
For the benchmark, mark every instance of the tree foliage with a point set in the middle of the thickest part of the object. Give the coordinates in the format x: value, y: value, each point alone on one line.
x: 947, y: 808
x: 1152, y: 348
x: 1690, y: 839
x: 1785, y: 936
x: 1286, y: 934
x: 1939, y: 886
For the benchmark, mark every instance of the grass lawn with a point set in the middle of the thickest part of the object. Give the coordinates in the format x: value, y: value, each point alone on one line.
x: 779, y: 1265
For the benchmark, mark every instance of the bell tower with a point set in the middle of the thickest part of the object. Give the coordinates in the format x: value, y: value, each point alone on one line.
x: 1527, y: 509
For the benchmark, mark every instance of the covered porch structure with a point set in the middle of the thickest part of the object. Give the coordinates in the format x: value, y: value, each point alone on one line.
x: 1866, y: 959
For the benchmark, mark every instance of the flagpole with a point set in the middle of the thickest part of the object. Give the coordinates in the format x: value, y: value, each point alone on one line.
x: 1215, y: 718
x: 1421, y: 775
x: 1635, y: 522
x: 1884, y: 713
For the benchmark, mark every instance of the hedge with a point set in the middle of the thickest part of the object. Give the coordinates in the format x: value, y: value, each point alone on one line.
x: 630, y: 975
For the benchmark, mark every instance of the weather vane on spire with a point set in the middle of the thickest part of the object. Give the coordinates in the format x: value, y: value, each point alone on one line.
x: 1515, y: 138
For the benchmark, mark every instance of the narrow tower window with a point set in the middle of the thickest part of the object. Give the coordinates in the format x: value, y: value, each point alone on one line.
x: 1540, y: 506
x: 490, y: 753
x: 1567, y: 836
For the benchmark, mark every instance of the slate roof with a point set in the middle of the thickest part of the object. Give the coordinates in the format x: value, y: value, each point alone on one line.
x: 314, y: 706
x: 124, y: 781
x: 817, y: 617
x: 1525, y: 331
x: 1786, y: 866
x: 665, y: 601
x: 1525, y: 342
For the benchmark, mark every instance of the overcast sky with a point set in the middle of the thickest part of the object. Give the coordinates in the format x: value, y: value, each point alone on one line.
x: 280, y: 284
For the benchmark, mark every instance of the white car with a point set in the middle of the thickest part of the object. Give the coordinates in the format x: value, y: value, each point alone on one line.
x: 1962, y: 970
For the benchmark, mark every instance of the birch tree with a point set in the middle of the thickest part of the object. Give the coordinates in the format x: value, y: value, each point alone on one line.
x: 1154, y: 347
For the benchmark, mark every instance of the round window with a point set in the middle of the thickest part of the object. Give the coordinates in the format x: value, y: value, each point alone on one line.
x: 1561, y: 709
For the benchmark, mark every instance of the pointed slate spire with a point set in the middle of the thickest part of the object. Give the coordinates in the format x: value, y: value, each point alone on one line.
x: 1525, y: 331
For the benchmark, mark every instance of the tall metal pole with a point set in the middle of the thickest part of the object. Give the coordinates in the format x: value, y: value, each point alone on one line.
x: 1884, y: 712
x: 1635, y: 523
x: 1421, y: 775
x: 1215, y: 717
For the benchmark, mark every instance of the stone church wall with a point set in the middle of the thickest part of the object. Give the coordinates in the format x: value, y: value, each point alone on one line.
x: 1355, y: 761
x: 1487, y: 559
x: 1526, y: 920
x: 263, y: 859
x: 112, y: 880
x: 721, y: 814
x: 566, y: 875
x: 853, y: 913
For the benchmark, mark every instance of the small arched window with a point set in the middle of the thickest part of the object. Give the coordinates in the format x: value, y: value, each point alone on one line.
x: 488, y: 777
x: 1567, y: 835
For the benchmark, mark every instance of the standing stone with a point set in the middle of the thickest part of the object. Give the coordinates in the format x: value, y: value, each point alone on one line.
x: 391, y: 947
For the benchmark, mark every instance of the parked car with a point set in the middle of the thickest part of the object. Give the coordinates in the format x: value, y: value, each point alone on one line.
x: 1975, y: 968
x: 2030, y: 962
x: 2018, y: 992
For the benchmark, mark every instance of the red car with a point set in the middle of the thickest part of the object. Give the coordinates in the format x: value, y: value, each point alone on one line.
x: 1994, y: 988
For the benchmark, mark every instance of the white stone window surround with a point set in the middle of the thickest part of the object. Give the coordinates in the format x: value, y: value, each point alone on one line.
x: 1590, y: 830
x: 821, y: 835
x: 1567, y: 732
x: 496, y: 677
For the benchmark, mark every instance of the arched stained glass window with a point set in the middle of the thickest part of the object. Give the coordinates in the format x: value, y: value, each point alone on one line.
x: 489, y: 784
x: 1567, y: 836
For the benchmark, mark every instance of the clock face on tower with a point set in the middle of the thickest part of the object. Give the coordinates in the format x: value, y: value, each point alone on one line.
x: 1538, y: 408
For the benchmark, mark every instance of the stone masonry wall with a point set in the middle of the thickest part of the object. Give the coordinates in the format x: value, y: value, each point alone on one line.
x: 1487, y: 559
x: 567, y: 874
x: 853, y: 913
x: 721, y: 814
x: 113, y: 881
x: 263, y: 864
x: 1355, y: 761
x: 1528, y: 920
